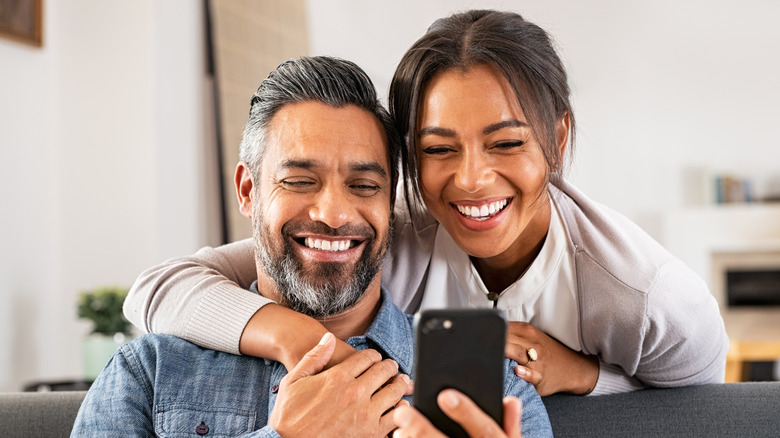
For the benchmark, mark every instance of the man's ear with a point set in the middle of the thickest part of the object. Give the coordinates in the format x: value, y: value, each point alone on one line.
x: 244, y: 185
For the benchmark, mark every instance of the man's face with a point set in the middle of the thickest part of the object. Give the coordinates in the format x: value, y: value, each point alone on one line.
x: 321, y: 210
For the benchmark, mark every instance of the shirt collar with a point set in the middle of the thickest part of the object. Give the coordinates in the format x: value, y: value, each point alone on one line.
x: 392, y: 331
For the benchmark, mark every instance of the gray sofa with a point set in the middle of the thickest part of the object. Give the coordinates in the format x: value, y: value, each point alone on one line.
x: 726, y: 410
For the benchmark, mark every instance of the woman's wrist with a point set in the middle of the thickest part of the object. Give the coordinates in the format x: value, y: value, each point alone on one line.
x: 278, y: 333
x: 589, y: 377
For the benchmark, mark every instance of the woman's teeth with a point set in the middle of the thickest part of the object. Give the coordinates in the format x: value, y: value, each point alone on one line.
x: 328, y: 245
x: 483, y: 212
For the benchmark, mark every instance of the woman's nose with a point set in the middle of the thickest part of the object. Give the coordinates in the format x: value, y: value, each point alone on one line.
x: 474, y: 172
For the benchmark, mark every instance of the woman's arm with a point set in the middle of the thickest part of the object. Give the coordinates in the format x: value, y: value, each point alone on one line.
x: 205, y: 300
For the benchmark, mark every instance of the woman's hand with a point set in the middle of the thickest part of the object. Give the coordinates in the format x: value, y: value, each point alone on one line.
x: 462, y: 410
x: 556, y: 367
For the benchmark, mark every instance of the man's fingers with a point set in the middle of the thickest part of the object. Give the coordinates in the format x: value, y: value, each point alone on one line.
x: 357, y: 364
x: 390, y: 394
x: 513, y: 412
x: 411, y: 423
x: 466, y: 413
x: 313, y: 362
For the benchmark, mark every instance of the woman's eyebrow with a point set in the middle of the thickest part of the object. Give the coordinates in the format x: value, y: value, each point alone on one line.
x: 505, y: 124
x: 445, y: 132
x: 435, y: 130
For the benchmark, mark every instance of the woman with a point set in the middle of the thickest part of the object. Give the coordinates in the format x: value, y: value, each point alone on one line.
x: 483, y: 101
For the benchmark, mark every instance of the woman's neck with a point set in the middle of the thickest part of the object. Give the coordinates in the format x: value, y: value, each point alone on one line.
x: 500, y: 271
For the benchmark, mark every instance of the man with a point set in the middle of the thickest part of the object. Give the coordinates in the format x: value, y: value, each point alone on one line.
x: 317, y: 179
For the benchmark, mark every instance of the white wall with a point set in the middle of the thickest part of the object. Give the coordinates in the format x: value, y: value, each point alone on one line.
x: 104, y: 132
x: 102, y: 144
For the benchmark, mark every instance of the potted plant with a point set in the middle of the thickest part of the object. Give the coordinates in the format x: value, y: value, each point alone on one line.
x: 103, y: 306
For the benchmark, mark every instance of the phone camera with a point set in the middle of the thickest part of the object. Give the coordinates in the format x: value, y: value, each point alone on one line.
x: 438, y: 325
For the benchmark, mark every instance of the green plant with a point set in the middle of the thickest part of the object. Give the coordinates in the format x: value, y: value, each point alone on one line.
x: 103, y: 306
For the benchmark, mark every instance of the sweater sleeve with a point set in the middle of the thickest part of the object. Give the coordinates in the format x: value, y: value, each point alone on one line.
x: 202, y: 299
x: 685, y: 340
x: 613, y: 380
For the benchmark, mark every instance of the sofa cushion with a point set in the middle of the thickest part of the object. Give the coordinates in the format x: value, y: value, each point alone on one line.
x: 39, y: 414
x: 717, y: 410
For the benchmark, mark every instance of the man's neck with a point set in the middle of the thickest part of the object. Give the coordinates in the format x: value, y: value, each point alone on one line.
x: 355, y: 320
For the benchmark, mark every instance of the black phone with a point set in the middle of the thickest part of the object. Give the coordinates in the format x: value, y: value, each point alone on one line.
x: 461, y: 349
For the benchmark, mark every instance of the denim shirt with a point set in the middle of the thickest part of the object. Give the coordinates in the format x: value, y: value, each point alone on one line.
x: 164, y: 386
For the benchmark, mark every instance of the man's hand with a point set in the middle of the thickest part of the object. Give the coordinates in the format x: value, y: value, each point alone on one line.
x: 353, y: 398
x: 411, y: 423
x: 557, y: 368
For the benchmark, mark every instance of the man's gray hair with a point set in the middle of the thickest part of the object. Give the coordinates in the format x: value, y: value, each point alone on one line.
x: 332, y: 81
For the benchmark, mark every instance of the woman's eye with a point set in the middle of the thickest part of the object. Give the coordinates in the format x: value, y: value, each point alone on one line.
x: 509, y: 144
x: 436, y: 150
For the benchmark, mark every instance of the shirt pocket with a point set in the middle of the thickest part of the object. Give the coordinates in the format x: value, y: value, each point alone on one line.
x: 190, y: 420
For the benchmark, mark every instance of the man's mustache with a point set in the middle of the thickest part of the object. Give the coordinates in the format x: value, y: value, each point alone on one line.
x: 297, y: 227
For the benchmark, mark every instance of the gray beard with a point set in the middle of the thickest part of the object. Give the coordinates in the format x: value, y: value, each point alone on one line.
x: 327, y: 288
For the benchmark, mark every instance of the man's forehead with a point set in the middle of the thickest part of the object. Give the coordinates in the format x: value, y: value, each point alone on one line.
x: 314, y: 135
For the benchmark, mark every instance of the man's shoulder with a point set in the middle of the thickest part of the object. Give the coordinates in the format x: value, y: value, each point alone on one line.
x: 168, y: 348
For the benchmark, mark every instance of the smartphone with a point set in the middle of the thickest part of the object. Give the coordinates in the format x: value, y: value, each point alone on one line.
x: 461, y: 349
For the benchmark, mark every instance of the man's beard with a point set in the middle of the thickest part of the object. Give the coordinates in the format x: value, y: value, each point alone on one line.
x: 326, y: 288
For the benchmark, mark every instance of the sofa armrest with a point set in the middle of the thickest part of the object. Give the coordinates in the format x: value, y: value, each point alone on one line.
x: 39, y: 414
x: 732, y: 409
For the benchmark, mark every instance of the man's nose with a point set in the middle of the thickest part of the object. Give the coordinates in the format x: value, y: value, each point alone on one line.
x: 332, y: 207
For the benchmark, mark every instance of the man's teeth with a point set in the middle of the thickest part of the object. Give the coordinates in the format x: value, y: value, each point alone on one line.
x: 482, y: 212
x: 328, y: 245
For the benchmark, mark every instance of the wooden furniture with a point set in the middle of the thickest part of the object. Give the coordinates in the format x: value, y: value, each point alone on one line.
x: 754, y: 335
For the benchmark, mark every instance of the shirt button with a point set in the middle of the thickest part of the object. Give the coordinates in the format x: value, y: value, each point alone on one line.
x: 202, y: 429
x: 275, y: 389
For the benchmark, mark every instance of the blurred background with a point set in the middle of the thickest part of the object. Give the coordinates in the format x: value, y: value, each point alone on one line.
x: 112, y: 132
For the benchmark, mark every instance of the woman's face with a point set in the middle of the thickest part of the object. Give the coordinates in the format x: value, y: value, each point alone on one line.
x: 482, y: 172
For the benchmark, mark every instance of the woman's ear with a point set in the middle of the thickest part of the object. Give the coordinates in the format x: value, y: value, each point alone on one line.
x: 244, y: 185
x: 562, y: 134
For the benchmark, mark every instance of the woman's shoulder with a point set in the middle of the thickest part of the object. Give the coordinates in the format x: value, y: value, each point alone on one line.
x: 611, y: 241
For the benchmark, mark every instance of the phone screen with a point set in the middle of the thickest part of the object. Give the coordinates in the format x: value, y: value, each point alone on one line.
x: 461, y: 349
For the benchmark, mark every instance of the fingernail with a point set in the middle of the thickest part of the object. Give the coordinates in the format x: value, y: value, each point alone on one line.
x: 402, y: 416
x: 325, y: 338
x: 520, y: 371
x: 450, y: 399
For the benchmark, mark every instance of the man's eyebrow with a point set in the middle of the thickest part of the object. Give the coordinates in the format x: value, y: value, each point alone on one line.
x: 297, y: 164
x: 514, y: 123
x: 369, y: 166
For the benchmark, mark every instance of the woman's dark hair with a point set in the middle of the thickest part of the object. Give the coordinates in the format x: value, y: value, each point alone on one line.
x: 520, y: 50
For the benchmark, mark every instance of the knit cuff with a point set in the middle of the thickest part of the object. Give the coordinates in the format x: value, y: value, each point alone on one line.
x: 221, y: 317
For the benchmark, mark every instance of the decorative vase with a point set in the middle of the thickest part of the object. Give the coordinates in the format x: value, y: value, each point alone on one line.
x: 98, y: 349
